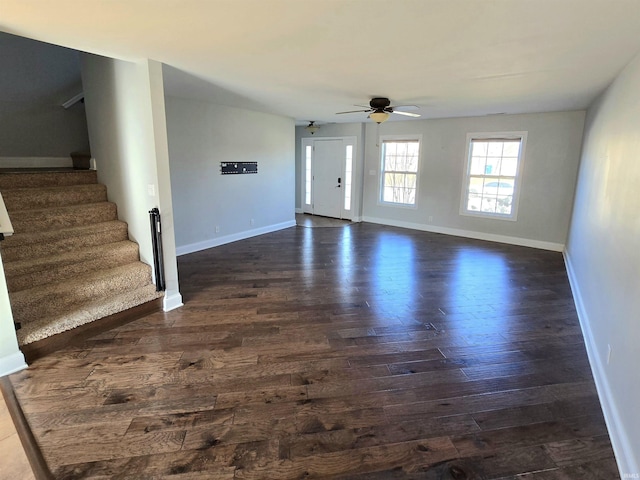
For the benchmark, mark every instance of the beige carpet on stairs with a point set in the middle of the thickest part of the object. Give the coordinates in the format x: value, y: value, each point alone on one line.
x: 70, y: 261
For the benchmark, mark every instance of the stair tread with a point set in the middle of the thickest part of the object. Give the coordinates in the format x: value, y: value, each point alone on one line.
x: 62, y: 217
x: 37, y: 294
x: 28, y: 179
x: 53, y: 210
x: 39, y: 244
x: 52, y: 189
x: 53, y: 299
x: 28, y: 238
x: 49, y: 197
x: 39, y: 270
x: 34, y: 264
x: 84, y: 313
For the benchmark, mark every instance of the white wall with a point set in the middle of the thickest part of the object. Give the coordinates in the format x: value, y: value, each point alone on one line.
x: 11, y: 358
x: 603, y: 257
x: 549, y: 175
x: 127, y: 130
x: 201, y: 135
x: 36, y: 79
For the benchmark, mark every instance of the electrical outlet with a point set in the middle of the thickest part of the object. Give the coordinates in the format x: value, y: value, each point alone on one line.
x: 251, y: 222
x: 608, y: 353
x: 217, y: 228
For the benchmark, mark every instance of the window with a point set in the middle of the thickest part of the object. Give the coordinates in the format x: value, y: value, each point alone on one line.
x: 492, y: 175
x: 307, y: 175
x: 348, y: 174
x: 399, y: 179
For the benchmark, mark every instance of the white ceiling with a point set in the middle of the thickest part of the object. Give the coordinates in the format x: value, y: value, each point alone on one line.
x: 308, y: 59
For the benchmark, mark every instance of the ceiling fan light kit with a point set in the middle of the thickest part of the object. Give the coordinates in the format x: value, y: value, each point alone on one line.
x: 379, y: 116
x: 312, y: 128
x: 381, y: 108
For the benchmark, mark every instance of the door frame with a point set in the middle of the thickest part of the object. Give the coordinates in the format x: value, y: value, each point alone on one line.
x: 351, y: 214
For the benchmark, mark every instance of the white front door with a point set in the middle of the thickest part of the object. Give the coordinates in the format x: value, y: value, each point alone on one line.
x: 328, y: 182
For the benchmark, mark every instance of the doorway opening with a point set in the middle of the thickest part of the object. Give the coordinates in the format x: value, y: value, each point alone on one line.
x: 328, y: 177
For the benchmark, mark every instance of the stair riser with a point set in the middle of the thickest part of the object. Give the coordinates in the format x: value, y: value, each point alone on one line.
x: 26, y: 221
x: 59, y: 273
x: 27, y: 199
x: 15, y: 253
x: 30, y: 305
x: 50, y: 179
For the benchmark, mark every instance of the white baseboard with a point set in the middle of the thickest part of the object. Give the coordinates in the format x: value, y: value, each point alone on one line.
x: 299, y: 210
x: 624, y: 451
x: 523, y: 242
x: 216, y: 242
x: 36, y: 162
x: 12, y: 363
x: 171, y: 301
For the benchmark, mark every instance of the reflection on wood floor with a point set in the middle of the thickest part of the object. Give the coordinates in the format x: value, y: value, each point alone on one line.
x: 366, y: 352
x: 306, y: 220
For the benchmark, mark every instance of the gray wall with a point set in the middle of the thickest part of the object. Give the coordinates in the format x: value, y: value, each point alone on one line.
x: 201, y: 135
x: 603, y: 257
x: 36, y: 79
x: 549, y: 174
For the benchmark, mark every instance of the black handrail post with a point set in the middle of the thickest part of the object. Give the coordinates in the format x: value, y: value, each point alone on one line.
x: 156, y: 240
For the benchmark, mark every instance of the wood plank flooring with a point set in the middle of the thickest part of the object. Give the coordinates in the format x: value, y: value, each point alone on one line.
x: 363, y: 352
x: 13, y: 460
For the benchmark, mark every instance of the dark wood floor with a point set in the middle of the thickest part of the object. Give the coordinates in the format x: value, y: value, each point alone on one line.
x: 362, y: 352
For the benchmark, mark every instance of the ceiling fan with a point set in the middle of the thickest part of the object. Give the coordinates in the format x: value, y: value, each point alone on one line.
x: 380, y: 108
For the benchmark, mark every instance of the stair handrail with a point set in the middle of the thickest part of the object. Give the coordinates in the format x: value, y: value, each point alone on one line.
x: 156, y: 242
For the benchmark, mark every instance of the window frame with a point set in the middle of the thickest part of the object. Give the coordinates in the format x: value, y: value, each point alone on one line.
x: 464, y: 195
x: 398, y: 138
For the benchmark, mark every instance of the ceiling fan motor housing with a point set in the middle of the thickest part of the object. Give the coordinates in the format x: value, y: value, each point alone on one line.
x: 379, y: 104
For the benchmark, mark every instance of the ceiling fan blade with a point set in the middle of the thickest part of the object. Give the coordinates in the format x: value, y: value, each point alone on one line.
x: 354, y: 111
x: 405, y: 108
x: 407, y: 114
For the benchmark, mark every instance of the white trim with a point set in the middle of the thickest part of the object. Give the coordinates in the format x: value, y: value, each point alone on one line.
x: 623, y: 449
x: 490, y: 237
x: 407, y: 138
x: 12, y: 363
x: 522, y: 135
x: 36, y: 162
x: 172, y: 301
x: 5, y: 222
x: 299, y: 210
x: 216, y: 242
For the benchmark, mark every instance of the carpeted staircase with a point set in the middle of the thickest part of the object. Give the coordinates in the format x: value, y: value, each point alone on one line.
x: 69, y: 261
